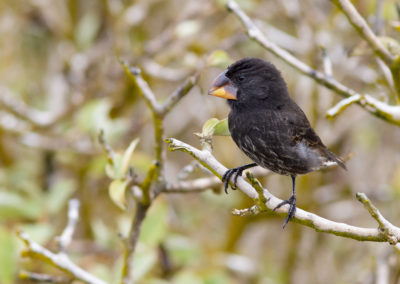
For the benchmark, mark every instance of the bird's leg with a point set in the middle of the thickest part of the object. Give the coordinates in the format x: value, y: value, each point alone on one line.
x: 237, y: 172
x: 291, y: 201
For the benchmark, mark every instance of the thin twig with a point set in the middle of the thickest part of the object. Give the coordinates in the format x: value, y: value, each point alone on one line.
x: 73, y: 216
x: 131, y: 241
x: 253, y: 210
x: 202, y: 184
x: 179, y: 93
x: 136, y: 75
x: 43, y: 278
x: 361, y: 26
x: 387, y: 112
x: 327, y: 62
x: 105, y: 145
x: 192, y: 186
x: 59, y: 260
x: 302, y: 217
x: 342, y: 105
x: 158, y: 71
x: 391, y: 232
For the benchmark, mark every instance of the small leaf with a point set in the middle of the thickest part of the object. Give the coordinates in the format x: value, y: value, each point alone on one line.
x: 114, y: 167
x: 208, y: 127
x: 214, y: 126
x: 116, y: 191
x: 220, y: 59
x: 126, y: 158
x: 222, y: 128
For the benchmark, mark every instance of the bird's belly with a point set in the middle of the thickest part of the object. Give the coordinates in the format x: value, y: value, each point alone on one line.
x: 281, y: 164
x: 277, y: 156
x: 271, y: 147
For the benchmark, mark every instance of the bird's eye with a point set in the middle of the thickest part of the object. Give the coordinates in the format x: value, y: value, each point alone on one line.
x: 241, y: 78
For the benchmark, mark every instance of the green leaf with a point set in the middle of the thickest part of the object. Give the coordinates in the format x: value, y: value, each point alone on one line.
x: 214, y: 126
x: 222, y: 128
x: 127, y: 157
x: 208, y: 127
x: 220, y: 59
x: 114, y: 167
x: 116, y: 191
x: 8, y: 257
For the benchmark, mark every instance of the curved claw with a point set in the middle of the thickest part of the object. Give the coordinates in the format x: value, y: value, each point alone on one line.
x: 227, y: 176
x: 292, y: 209
x: 237, y: 172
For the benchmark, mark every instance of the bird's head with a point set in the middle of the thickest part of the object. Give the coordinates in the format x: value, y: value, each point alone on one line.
x: 250, y: 81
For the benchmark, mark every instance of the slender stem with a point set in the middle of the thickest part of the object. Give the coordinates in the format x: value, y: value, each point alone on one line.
x: 59, y: 260
x: 73, y: 216
x: 361, y: 26
x: 131, y: 241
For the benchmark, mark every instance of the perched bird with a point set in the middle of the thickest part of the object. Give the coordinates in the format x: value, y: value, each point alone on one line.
x: 268, y: 126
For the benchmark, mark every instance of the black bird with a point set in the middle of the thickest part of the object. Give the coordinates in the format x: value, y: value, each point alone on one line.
x: 268, y: 126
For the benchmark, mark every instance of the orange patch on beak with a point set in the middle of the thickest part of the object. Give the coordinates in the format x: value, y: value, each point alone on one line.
x: 223, y: 88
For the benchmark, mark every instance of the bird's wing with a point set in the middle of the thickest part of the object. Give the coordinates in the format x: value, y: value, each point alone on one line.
x: 304, y: 135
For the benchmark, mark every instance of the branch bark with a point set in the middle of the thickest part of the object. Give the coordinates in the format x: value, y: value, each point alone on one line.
x: 267, y: 202
x: 361, y: 26
x: 61, y: 260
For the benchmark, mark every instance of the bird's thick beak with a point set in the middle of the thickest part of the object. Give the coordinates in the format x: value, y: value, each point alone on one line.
x: 223, y: 88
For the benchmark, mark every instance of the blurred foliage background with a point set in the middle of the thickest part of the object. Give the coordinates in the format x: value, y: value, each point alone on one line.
x: 61, y: 83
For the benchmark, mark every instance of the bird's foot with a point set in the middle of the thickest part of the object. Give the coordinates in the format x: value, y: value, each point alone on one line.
x: 292, y: 209
x: 236, y: 172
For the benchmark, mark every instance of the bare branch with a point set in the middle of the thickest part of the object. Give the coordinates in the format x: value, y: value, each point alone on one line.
x: 59, y: 260
x: 327, y: 62
x: 170, y: 74
x: 179, y: 93
x: 342, y: 105
x: 380, y: 109
x: 302, y: 217
x: 43, y: 278
x: 391, y: 232
x: 136, y: 75
x: 361, y: 26
x: 107, y: 148
x: 253, y: 210
x: 192, y: 186
x: 131, y: 241
x: 202, y: 184
x: 73, y: 215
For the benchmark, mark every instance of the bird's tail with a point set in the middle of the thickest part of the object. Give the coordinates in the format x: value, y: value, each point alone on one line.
x: 335, y: 158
